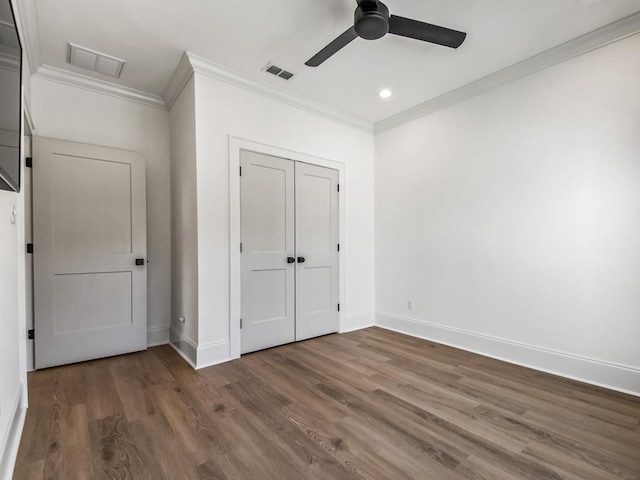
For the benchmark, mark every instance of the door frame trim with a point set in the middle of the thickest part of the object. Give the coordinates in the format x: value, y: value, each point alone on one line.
x: 236, y: 144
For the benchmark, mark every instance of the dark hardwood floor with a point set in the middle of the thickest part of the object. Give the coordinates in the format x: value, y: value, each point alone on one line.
x: 371, y: 404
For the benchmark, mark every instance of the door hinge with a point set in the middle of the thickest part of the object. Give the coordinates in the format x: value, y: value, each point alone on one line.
x: 240, y: 324
x: 338, y: 247
x: 240, y: 171
x: 338, y: 187
x: 31, y: 334
x: 338, y: 307
x: 29, y: 247
x: 240, y: 247
x: 28, y: 162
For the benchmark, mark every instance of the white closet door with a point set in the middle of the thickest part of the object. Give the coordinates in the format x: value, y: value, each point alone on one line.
x: 90, y: 246
x: 317, y: 286
x: 267, y: 236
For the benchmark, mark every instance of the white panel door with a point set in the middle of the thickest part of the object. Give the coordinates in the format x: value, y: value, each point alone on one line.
x: 89, y: 233
x: 267, y: 236
x: 317, y: 287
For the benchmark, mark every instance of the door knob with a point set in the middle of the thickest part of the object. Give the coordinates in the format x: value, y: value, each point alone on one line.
x: 291, y: 260
x: 301, y: 259
x: 139, y: 261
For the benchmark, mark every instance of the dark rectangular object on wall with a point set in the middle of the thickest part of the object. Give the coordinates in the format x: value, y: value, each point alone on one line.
x: 10, y: 100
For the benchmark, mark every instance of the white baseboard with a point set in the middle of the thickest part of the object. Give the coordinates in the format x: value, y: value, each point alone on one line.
x: 185, y: 347
x: 9, y: 450
x: 213, y: 353
x: 621, y: 378
x: 357, y: 321
x: 199, y: 356
x: 158, y: 335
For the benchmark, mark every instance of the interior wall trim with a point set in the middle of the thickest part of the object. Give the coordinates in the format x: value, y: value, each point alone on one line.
x: 358, y: 321
x: 621, y: 378
x: 199, y: 356
x: 601, y: 37
x: 212, y: 353
x: 65, y: 77
x: 221, y: 73
x: 158, y: 335
x: 179, y: 79
x: 9, y: 445
x: 185, y: 347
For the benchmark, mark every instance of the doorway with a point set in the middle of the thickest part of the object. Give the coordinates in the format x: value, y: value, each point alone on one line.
x: 289, y: 250
x: 89, y: 252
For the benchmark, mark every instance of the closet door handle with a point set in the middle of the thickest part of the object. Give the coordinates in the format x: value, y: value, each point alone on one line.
x: 301, y: 259
x: 291, y: 260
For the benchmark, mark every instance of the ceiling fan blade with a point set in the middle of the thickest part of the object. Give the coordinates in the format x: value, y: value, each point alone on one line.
x: 408, y: 27
x: 340, y: 42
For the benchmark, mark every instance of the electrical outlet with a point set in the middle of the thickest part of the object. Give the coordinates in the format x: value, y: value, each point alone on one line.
x: 410, y: 304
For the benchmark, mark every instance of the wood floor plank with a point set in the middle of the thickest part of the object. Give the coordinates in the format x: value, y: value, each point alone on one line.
x: 114, y: 454
x: 210, y: 471
x: 367, y: 405
x: 28, y: 470
x: 575, y: 464
x: 294, y: 446
x: 103, y: 399
x: 54, y: 461
x: 256, y: 453
x: 474, y: 468
x: 162, y: 450
x: 33, y: 444
x: 475, y: 444
x: 191, y: 425
x: 443, y: 458
x: 548, y: 401
x: 354, y: 454
x: 556, y: 425
x: 404, y: 452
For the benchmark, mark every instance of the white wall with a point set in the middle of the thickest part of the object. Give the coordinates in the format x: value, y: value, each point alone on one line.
x: 73, y: 114
x: 13, y: 369
x: 184, y: 241
x: 12, y: 375
x: 223, y: 110
x: 515, y: 216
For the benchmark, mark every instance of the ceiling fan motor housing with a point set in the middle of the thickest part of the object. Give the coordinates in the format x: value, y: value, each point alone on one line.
x: 371, y: 20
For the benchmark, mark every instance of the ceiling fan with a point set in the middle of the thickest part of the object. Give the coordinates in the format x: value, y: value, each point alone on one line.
x: 372, y: 21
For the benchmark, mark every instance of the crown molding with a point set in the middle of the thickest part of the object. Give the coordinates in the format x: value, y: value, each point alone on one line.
x: 586, y: 43
x: 54, y: 74
x: 179, y: 80
x: 191, y: 63
x: 29, y: 29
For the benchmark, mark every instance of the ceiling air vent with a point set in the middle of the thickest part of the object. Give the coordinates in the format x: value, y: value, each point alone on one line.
x: 278, y: 72
x: 98, y: 62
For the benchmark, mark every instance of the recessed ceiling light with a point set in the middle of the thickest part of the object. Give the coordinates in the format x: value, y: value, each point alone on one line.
x: 384, y: 93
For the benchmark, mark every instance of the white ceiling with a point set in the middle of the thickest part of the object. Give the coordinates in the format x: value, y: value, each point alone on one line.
x: 244, y: 35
